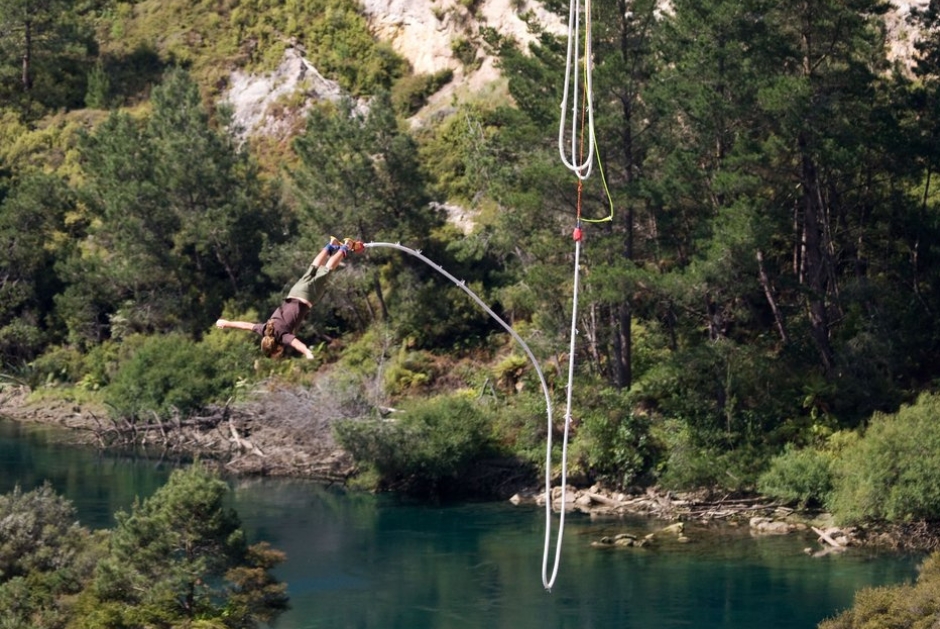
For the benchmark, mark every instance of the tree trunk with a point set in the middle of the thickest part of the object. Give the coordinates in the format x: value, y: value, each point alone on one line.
x: 768, y: 293
x: 27, y: 56
x: 377, y: 284
x: 814, y: 259
x: 622, y: 314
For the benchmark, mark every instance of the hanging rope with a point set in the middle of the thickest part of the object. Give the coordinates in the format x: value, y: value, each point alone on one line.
x: 580, y: 162
x: 610, y: 200
x: 580, y: 166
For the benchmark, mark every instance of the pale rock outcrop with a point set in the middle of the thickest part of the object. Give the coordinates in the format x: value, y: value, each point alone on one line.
x: 422, y: 31
x: 253, y: 97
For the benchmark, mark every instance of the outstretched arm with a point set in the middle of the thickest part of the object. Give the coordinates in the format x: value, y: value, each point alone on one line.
x: 238, y: 325
x: 300, y: 347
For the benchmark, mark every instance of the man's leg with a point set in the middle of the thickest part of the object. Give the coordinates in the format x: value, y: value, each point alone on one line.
x: 330, y: 249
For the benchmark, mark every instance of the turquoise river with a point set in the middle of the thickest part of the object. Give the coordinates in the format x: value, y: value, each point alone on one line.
x: 360, y: 561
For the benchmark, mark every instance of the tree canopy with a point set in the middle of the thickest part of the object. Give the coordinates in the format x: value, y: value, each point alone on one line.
x: 178, y: 557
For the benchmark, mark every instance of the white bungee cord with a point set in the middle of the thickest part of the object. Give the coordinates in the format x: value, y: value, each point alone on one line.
x: 547, y: 580
x: 580, y: 165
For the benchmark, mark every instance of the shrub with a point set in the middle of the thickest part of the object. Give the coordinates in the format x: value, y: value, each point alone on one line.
x: 465, y: 51
x: 57, y: 364
x: 520, y: 424
x: 166, y: 373
x: 802, y: 476
x: 434, y: 442
x: 510, y: 371
x: 892, y: 473
x: 100, y: 364
x: 899, y: 607
x: 19, y: 342
x: 691, y: 464
x: 613, y: 443
x: 409, y: 371
x: 410, y: 93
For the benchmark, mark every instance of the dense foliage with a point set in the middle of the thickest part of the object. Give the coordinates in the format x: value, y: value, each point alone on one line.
x: 888, y: 474
x: 178, y: 558
x: 768, y: 276
x: 429, y: 450
x: 908, y: 606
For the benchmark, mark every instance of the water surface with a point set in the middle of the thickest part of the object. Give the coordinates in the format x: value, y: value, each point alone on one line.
x: 360, y: 561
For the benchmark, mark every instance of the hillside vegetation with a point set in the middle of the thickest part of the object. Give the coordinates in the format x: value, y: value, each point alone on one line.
x: 758, y: 312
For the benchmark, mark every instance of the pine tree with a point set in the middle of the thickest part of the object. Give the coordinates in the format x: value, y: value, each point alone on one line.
x: 181, y: 555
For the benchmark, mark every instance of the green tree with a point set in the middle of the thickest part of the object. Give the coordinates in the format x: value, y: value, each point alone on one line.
x: 98, y: 94
x: 181, y: 216
x: 752, y: 98
x: 180, y: 556
x: 44, y: 45
x: 224, y: 212
x: 46, y: 558
x: 359, y: 173
x: 626, y: 64
x: 32, y: 238
x: 38, y: 533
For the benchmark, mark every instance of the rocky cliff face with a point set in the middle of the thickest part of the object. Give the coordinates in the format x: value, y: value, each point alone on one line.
x: 900, y: 34
x: 423, y: 32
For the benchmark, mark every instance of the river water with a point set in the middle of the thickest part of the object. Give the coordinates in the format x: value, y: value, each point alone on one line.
x: 362, y: 561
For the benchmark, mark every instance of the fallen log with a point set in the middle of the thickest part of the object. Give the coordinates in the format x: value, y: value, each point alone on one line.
x: 201, y: 422
x: 826, y: 538
x: 604, y: 500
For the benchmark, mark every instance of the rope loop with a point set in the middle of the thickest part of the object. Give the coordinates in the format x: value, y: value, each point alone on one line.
x: 580, y: 165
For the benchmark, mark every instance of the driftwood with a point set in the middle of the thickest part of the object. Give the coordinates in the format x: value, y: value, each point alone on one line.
x: 827, y: 538
x: 604, y: 500
x: 243, y: 443
x: 175, y: 434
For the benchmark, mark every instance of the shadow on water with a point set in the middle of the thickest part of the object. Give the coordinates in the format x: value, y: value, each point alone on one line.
x: 362, y: 561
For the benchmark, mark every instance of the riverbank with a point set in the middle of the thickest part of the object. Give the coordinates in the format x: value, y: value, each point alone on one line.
x: 274, y: 434
x: 268, y: 435
x: 703, y: 508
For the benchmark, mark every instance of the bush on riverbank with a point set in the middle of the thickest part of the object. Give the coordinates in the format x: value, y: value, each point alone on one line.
x: 892, y: 473
x: 169, y: 373
x: 614, y: 443
x: 888, y: 473
x: 426, y: 449
x: 802, y: 476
